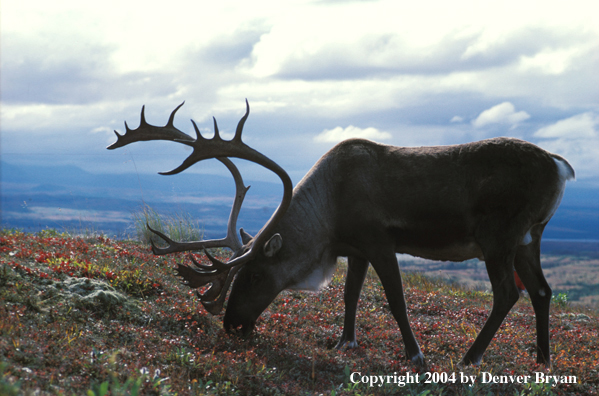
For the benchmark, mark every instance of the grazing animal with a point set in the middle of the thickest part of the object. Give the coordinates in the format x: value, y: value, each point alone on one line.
x: 367, y: 201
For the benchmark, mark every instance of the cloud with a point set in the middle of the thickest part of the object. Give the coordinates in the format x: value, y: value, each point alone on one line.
x: 343, y: 1
x: 53, y: 70
x: 339, y: 134
x: 228, y: 50
x: 69, y: 69
x: 577, y: 139
x: 579, y: 126
x: 408, y: 46
x: 503, y: 113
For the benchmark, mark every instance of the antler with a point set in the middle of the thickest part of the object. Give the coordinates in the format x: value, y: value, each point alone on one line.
x: 219, y: 274
x: 231, y: 240
x: 219, y: 277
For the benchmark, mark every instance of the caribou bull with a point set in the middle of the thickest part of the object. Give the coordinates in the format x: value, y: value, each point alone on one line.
x: 367, y: 201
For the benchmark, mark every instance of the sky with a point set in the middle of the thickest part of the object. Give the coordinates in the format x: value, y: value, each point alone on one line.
x: 314, y: 73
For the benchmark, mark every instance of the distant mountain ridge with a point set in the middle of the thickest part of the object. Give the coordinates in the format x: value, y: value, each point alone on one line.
x: 34, y: 198
x: 74, y: 177
x: 68, y: 197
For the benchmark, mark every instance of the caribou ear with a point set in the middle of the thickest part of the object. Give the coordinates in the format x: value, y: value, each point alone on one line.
x: 245, y: 237
x: 273, y: 245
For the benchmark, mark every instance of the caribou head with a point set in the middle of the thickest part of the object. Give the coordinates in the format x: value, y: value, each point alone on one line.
x: 367, y: 201
x: 261, y: 249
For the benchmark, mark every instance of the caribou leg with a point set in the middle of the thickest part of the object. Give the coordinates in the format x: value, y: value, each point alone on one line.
x: 528, y: 266
x: 356, y: 273
x: 500, y: 264
x: 387, y: 268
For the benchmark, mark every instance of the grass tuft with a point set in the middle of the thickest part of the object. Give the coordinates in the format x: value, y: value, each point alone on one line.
x: 180, y: 227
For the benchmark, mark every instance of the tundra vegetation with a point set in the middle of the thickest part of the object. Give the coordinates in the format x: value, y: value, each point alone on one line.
x: 96, y: 316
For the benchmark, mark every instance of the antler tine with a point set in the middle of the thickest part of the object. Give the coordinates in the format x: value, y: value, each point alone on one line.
x: 216, y: 306
x: 215, y: 289
x: 146, y: 132
x: 176, y: 247
x: 240, y: 191
x: 220, y: 281
x: 194, y: 279
x: 208, y: 269
x: 241, y: 123
x: 216, y: 132
x: 199, y: 136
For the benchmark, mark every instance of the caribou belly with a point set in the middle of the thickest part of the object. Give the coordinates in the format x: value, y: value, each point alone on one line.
x: 452, y: 252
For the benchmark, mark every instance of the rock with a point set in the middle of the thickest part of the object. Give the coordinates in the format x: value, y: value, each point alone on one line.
x: 95, y: 291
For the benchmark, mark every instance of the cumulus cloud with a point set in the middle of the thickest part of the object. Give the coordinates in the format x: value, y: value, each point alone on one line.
x: 579, y: 126
x: 577, y: 139
x: 338, y: 134
x: 504, y: 113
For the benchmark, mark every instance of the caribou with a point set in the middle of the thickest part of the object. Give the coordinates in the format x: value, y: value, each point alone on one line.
x: 367, y: 201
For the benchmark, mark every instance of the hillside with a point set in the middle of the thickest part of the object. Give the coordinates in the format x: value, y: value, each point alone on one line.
x: 93, y: 315
x: 570, y: 267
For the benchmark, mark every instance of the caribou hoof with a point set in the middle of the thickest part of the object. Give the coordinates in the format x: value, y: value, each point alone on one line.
x: 467, y: 361
x: 418, y: 360
x: 345, y: 344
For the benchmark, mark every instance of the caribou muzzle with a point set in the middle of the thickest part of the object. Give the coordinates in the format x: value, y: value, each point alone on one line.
x: 234, y: 324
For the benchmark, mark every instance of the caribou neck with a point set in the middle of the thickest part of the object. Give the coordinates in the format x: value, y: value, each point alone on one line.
x: 306, y: 232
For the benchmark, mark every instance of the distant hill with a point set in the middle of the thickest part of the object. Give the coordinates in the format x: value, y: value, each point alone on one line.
x: 67, y: 197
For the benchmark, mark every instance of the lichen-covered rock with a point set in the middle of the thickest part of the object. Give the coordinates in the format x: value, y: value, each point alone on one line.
x: 94, y: 291
x: 90, y: 293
